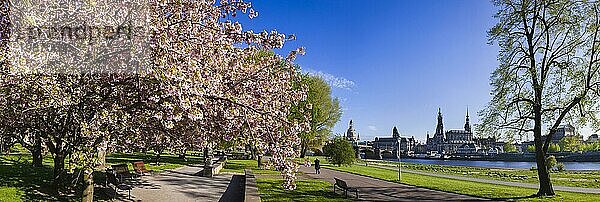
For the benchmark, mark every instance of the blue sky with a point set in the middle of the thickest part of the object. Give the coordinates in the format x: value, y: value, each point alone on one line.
x: 392, y: 62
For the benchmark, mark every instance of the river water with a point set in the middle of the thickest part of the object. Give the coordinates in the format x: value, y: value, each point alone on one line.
x: 502, y: 164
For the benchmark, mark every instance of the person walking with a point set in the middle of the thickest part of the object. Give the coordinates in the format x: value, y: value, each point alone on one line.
x: 317, y: 166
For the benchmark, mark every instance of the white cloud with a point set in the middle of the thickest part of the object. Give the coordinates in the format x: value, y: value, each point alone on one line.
x: 334, y: 81
x: 373, y: 128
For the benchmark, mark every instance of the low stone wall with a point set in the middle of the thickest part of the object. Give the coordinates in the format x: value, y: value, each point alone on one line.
x: 217, y: 166
x: 214, y: 168
x: 251, y: 189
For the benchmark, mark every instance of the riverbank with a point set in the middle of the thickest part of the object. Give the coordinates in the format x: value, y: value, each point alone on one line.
x: 584, y: 179
x: 522, y: 157
x: 575, y: 166
x: 490, y: 181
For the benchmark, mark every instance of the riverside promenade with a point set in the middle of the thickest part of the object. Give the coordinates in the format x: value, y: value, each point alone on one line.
x: 371, y: 189
x: 185, y: 185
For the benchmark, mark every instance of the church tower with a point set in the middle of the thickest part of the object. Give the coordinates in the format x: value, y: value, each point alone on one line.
x: 467, y: 124
x: 440, y: 126
x: 395, y: 133
x: 351, y: 134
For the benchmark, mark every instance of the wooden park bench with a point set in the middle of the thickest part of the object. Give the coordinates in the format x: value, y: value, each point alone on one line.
x: 343, y: 186
x: 140, y: 168
x: 121, y: 171
x: 118, y: 182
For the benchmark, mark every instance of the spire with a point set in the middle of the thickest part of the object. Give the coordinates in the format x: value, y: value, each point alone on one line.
x: 395, y: 133
x: 440, y: 126
x: 467, y: 124
x: 351, y: 133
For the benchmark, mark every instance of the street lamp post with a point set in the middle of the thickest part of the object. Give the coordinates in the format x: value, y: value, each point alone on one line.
x: 399, y: 167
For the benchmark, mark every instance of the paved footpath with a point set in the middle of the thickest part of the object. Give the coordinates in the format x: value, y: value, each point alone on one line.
x: 371, y: 189
x: 181, y: 184
x: 514, y: 184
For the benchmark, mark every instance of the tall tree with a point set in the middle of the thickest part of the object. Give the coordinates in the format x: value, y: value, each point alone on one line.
x: 324, y: 112
x: 548, y: 72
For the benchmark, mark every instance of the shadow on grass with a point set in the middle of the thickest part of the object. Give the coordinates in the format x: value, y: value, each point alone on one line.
x: 35, y: 183
x: 516, y: 198
x: 307, y: 190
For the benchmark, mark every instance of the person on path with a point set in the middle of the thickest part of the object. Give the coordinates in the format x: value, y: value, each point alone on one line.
x: 317, y: 166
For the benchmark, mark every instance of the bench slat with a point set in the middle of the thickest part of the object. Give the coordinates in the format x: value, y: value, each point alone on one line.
x: 344, y: 186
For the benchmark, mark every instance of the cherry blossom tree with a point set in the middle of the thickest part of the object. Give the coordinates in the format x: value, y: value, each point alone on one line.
x: 228, y: 89
x: 187, y: 76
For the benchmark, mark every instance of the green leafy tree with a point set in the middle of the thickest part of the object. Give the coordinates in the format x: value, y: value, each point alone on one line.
x: 339, y: 151
x: 324, y: 112
x: 554, y: 148
x: 509, y: 148
x: 547, y: 73
x: 594, y: 146
x: 550, y: 162
x: 570, y: 143
x: 531, y: 148
x: 560, y: 167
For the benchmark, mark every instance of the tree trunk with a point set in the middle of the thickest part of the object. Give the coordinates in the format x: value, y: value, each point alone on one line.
x: 540, y: 155
x: 259, y: 161
x: 59, y: 170
x: 158, y: 152
x: 102, y: 150
x: 303, y: 151
x: 544, y: 177
x: 36, y: 155
x: 88, y: 183
x: 252, y: 152
x: 36, y: 152
x: 543, y: 174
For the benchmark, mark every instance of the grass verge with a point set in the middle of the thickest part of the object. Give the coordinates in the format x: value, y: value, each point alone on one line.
x: 166, y: 162
x: 588, y: 179
x: 21, y: 181
x: 492, y: 191
x: 238, y: 166
x: 306, y: 190
x: 10, y: 194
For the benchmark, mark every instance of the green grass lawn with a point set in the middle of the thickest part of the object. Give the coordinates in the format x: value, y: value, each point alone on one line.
x: 238, y: 166
x: 322, y: 159
x: 589, y: 179
x: 492, y: 191
x: 20, y: 181
x: 10, y: 194
x: 306, y: 190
